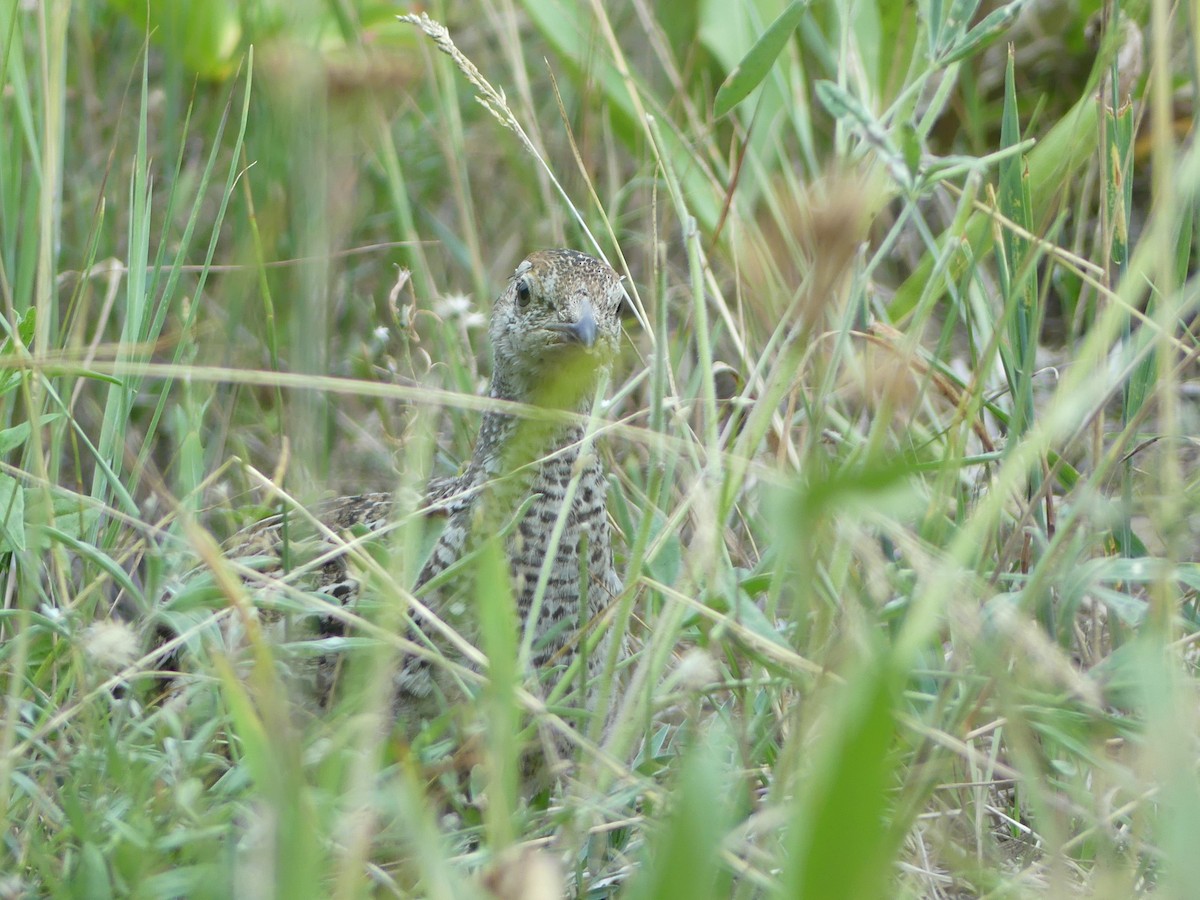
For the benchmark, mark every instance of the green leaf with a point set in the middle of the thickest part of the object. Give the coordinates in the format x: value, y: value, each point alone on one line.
x: 1059, y: 156
x: 1129, y: 610
x: 993, y: 25
x: 873, y: 485
x: 746, y: 613
x: 910, y: 147
x: 1017, y: 274
x: 841, y: 843
x: 26, y: 326
x: 90, y: 880
x: 498, y: 628
x: 958, y: 19
x: 35, y: 621
x: 184, y: 881
x: 65, y: 518
x: 12, y: 515
x: 680, y: 22
x: 86, y: 551
x: 254, y: 737
x: 749, y: 73
x: 846, y: 107
x: 666, y: 563
x: 11, y: 438
x: 931, y: 12
x: 684, y: 860
x: 204, y: 34
x: 1189, y: 574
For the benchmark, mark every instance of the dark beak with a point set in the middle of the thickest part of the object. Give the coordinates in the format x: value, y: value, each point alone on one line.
x: 584, y: 330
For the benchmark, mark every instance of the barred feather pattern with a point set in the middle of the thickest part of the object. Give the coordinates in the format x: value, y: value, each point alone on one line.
x: 554, y: 329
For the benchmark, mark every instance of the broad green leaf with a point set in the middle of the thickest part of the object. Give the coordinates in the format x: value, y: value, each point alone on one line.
x: 90, y: 880
x: 11, y: 438
x: 26, y: 326
x: 204, y: 34
x: 755, y: 65
x: 841, y: 843
x: 57, y: 518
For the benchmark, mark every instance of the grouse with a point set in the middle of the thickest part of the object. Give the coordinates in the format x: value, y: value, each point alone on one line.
x: 532, y: 480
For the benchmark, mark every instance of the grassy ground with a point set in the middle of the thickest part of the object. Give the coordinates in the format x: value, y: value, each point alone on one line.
x: 902, y: 443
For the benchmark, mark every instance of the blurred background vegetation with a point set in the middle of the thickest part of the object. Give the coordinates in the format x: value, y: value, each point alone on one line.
x: 903, y: 441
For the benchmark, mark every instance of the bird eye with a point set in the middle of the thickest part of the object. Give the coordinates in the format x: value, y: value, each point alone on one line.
x: 523, y: 293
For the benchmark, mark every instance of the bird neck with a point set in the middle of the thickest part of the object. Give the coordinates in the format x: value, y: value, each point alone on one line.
x: 509, y: 442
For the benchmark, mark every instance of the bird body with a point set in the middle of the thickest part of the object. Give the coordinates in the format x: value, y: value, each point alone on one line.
x: 554, y: 330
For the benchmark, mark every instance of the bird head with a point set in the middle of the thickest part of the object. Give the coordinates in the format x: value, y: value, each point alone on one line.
x: 555, y: 326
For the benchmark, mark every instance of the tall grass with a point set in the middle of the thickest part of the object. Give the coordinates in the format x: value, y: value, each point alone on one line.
x: 901, y: 445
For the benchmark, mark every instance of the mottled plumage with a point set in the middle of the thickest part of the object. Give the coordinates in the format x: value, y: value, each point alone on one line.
x: 554, y: 329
